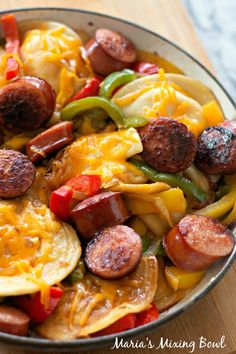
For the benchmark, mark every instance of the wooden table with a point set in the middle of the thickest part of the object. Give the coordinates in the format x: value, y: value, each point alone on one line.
x: 214, y: 316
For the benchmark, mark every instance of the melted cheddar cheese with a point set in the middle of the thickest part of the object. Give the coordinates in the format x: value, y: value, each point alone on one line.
x: 171, y: 95
x: 22, y: 235
x: 102, y: 154
x: 53, y: 53
x: 36, y: 250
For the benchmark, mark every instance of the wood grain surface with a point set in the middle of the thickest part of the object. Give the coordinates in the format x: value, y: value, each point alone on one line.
x: 215, y: 315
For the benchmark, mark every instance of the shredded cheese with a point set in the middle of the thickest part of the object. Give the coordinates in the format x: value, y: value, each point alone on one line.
x: 55, y: 56
x: 26, y: 241
x: 103, y: 154
x: 95, y: 300
x: 78, y: 296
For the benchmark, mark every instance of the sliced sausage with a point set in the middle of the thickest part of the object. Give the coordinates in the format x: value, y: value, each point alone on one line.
x: 26, y: 103
x: 13, y: 321
x: 216, y: 151
x: 114, y: 252
x: 95, y: 213
x: 109, y: 51
x: 197, y: 242
x: 16, y: 173
x: 168, y: 145
x: 49, y: 141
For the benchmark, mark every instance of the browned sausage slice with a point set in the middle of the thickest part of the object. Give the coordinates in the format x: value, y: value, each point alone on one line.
x: 168, y: 145
x: 197, y: 242
x: 95, y: 213
x: 13, y: 321
x: 116, y: 45
x: 216, y: 150
x: 109, y: 51
x: 49, y: 141
x: 16, y: 173
x: 114, y: 253
x: 26, y: 103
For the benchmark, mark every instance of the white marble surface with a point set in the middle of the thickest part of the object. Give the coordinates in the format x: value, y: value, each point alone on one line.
x: 215, y: 22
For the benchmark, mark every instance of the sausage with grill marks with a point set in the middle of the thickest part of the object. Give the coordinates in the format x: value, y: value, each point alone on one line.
x: 216, y: 150
x: 16, y: 173
x: 109, y: 51
x: 168, y: 146
x: 26, y: 103
x: 114, y: 253
x: 197, y: 242
x: 99, y: 211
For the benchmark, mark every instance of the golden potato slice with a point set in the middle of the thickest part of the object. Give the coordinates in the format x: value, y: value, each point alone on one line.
x: 96, y: 303
x: 51, y: 51
x: 101, y: 154
x: 36, y: 250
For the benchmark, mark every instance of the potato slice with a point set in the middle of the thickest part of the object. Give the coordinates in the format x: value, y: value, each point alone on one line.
x: 173, y: 95
x: 49, y: 47
x: 97, y: 303
x: 29, y: 25
x: 36, y: 249
x: 101, y: 154
x: 194, y: 88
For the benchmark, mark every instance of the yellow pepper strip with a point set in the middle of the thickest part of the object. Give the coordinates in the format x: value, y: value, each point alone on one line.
x: 18, y: 142
x: 174, y: 200
x: 140, y: 188
x: 221, y: 207
x: 231, y: 217
x: 155, y: 224
x: 212, y: 113
x: 197, y: 177
x: 180, y: 279
x: 196, y: 126
x: 145, y: 203
x: 138, y: 226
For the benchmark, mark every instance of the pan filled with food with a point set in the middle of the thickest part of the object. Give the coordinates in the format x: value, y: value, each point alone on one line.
x: 117, y: 184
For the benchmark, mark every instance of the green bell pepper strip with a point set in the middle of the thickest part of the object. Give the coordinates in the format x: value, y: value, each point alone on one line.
x: 155, y: 248
x: 77, y: 274
x: 146, y: 241
x: 74, y: 108
x: 189, y: 188
x: 136, y: 122
x: 115, y: 80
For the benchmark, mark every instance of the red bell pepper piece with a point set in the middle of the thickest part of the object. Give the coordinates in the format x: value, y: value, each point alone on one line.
x: 32, y: 305
x: 11, y: 34
x: 79, y: 187
x: 12, y: 68
x: 91, y: 89
x: 86, y: 185
x: 60, y: 202
x: 130, y: 321
x: 147, y: 316
x: 123, y: 324
x: 144, y: 67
